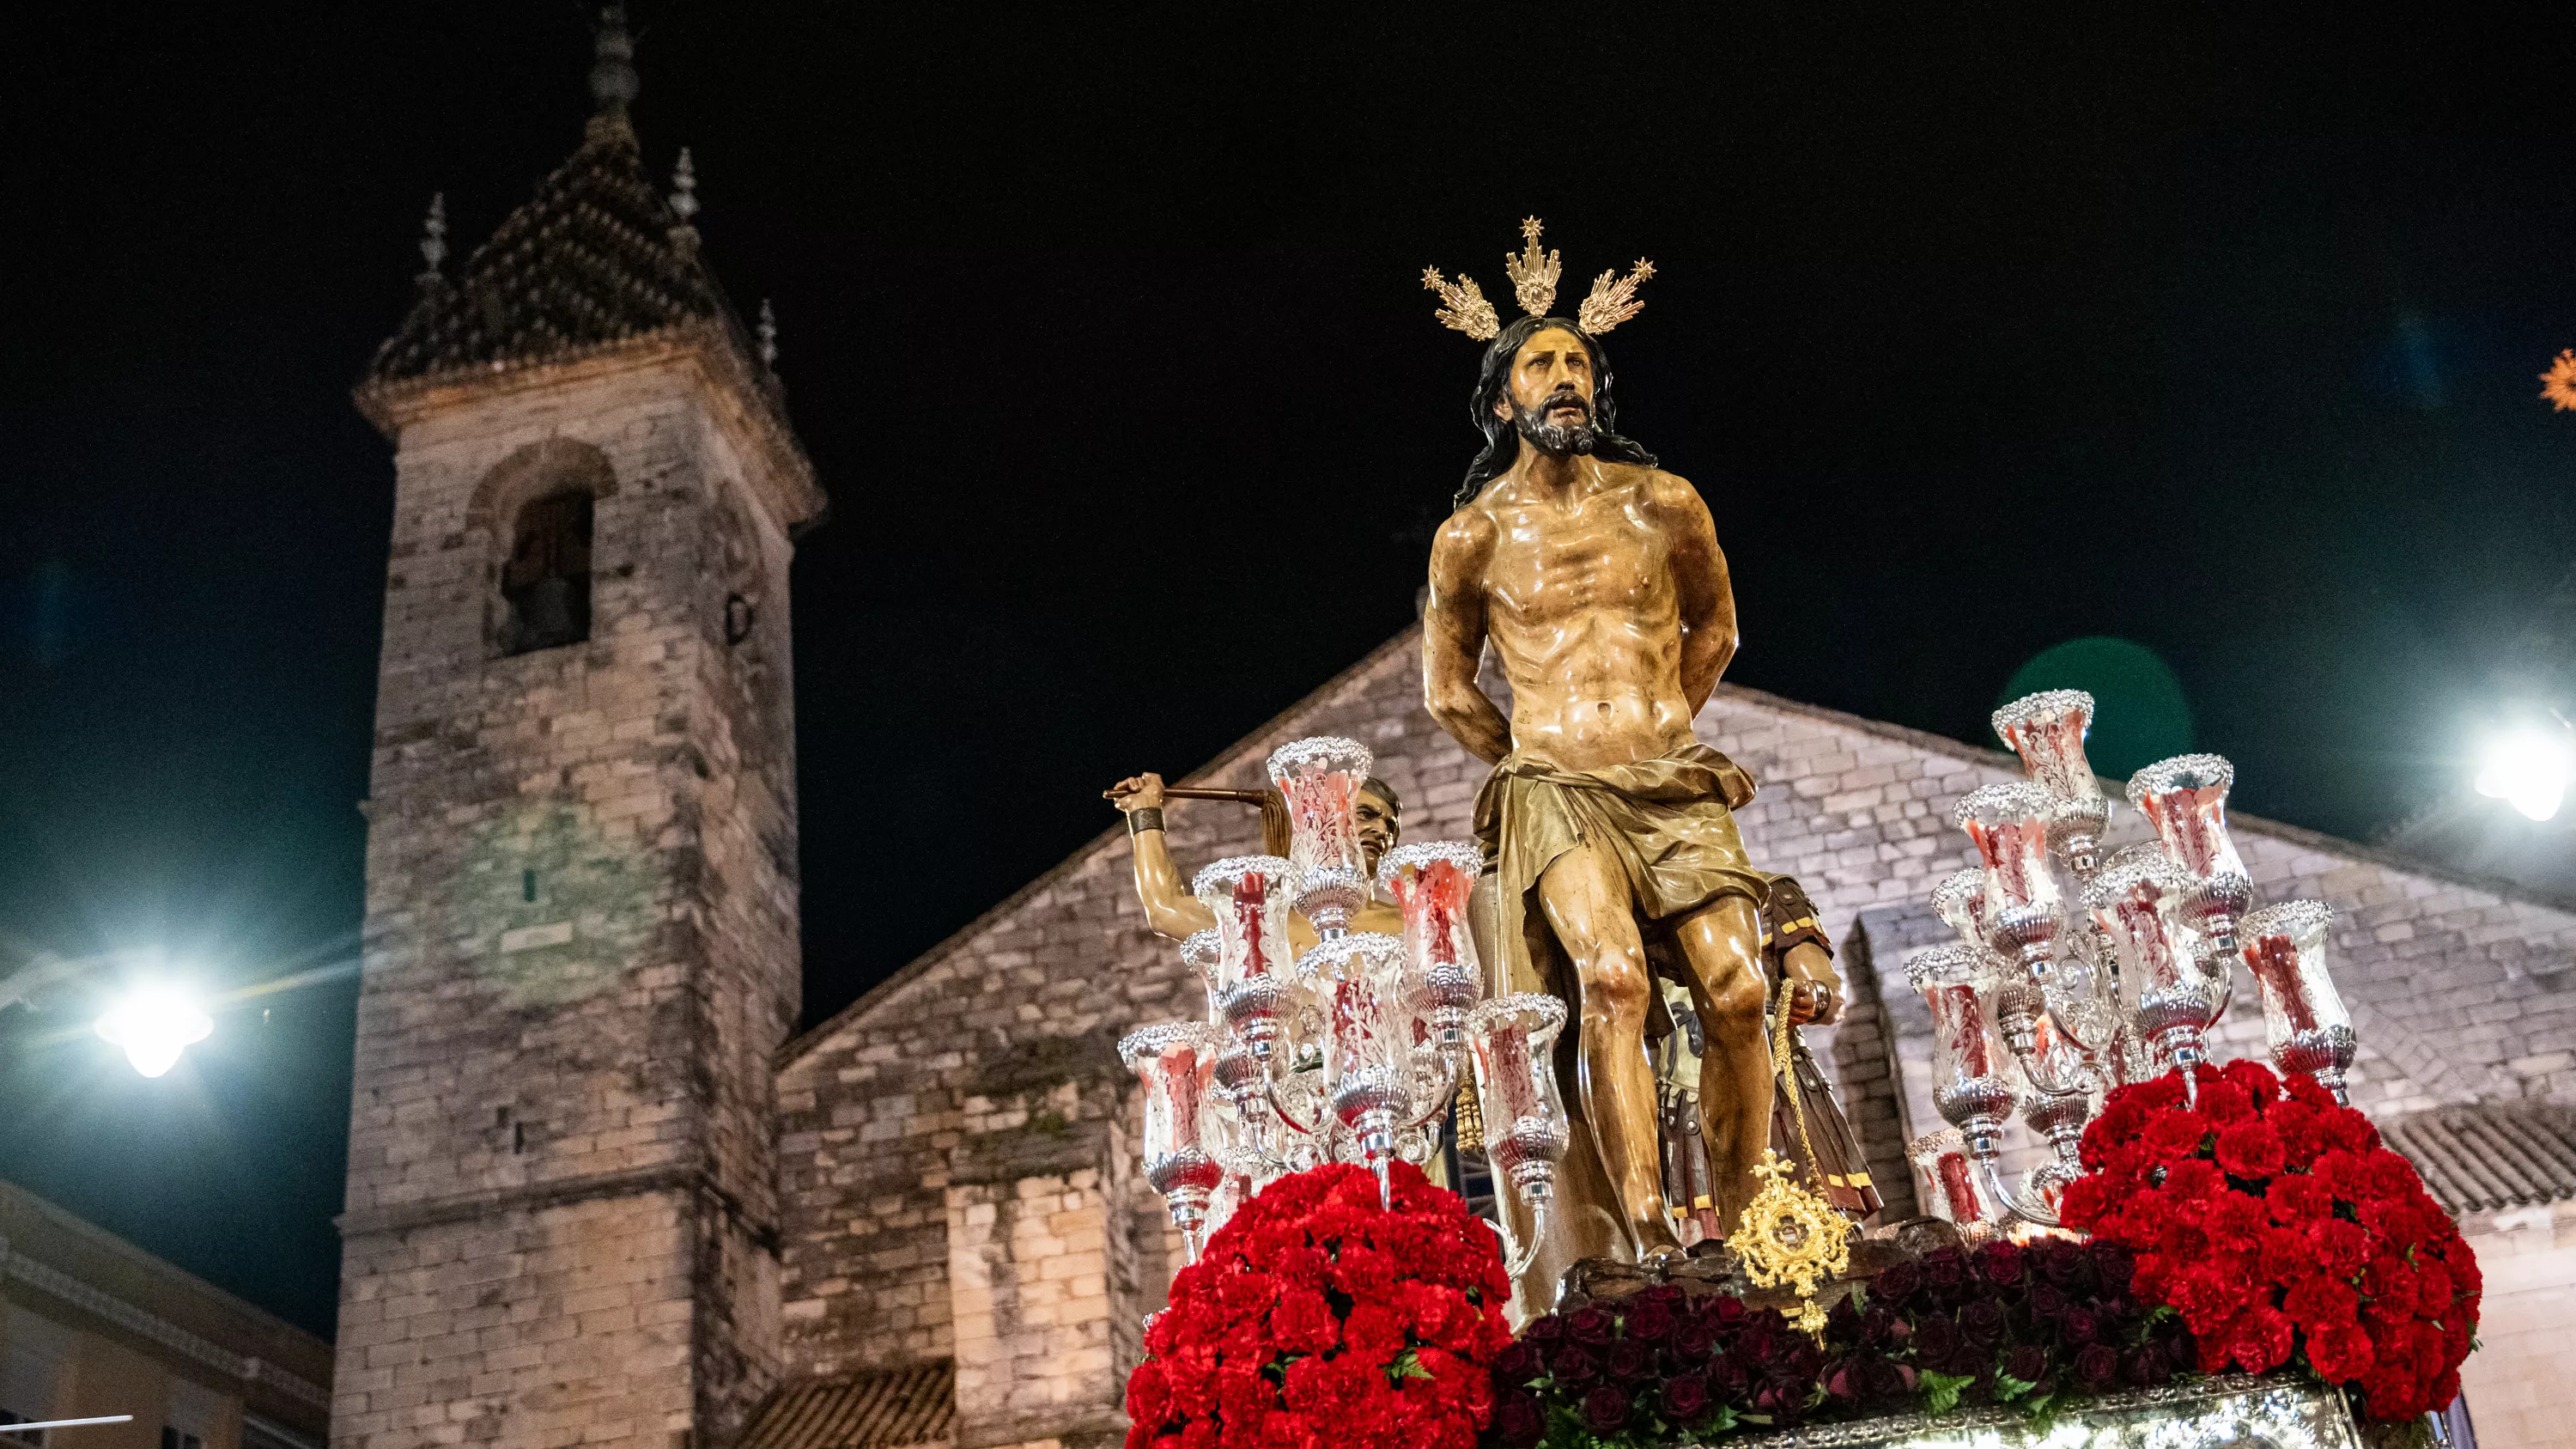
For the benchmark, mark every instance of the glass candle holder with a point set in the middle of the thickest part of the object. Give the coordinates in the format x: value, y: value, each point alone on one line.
x: 1431, y: 882
x: 1320, y: 778
x: 2185, y: 802
x: 1176, y: 1060
x: 1204, y: 953
x: 1957, y: 1196
x: 1960, y: 901
x: 2025, y: 912
x: 2168, y: 996
x: 1358, y: 982
x: 2047, y: 730
x: 2303, y: 1015
x: 1511, y: 1040
x: 1969, y: 1084
x: 1248, y: 894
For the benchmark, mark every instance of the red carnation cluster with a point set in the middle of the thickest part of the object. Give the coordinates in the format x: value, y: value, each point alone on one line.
x: 2277, y: 1225
x: 1316, y: 1317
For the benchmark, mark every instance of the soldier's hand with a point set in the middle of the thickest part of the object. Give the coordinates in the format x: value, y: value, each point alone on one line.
x: 1807, y: 1002
x: 1137, y: 792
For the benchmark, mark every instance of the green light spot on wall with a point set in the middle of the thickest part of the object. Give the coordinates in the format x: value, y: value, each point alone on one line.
x: 2139, y: 713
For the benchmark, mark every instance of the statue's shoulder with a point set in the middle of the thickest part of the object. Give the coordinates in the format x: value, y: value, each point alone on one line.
x: 1471, y: 529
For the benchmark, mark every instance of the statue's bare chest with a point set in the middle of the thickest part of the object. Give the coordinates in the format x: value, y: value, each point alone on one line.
x: 1551, y: 563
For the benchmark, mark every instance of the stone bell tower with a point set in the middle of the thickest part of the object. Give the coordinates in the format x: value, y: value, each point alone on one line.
x: 581, y: 931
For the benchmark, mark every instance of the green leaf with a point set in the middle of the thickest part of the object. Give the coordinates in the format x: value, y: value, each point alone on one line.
x: 1722, y: 1422
x: 2008, y: 1388
x: 1407, y: 1365
x: 2041, y: 1411
x: 1941, y: 1391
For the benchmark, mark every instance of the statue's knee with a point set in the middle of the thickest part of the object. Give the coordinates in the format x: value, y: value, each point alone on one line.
x: 1616, y: 985
x: 1735, y: 1004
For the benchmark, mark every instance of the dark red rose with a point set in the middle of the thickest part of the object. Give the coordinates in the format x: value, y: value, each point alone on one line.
x: 1666, y: 1296
x: 2097, y: 1366
x: 1894, y: 1284
x: 2078, y: 1326
x: 1935, y: 1338
x: 1591, y: 1326
x: 1727, y: 1377
x: 2112, y: 1265
x: 1877, y: 1325
x: 1648, y: 1322
x: 1694, y: 1338
x: 2046, y: 1301
x: 2027, y: 1362
x: 1517, y: 1365
x: 1685, y: 1398
x: 1519, y: 1420
x: 1846, y: 1379
x: 1983, y: 1321
x: 1605, y: 1409
x: 1544, y: 1331
x: 1630, y: 1360
x: 1945, y: 1270
x: 1727, y: 1312
x: 2000, y: 1262
x: 1573, y: 1365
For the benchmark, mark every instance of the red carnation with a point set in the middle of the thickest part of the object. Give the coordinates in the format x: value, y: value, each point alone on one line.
x: 2342, y: 1247
x: 2175, y: 1134
x: 2192, y: 1179
x: 2254, y: 1079
x: 2260, y: 1341
x: 2318, y: 1303
x: 2295, y: 1123
x: 2250, y: 1149
x: 2298, y: 1200
x: 2339, y: 1355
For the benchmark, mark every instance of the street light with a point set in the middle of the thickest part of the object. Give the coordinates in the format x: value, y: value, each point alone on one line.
x: 154, y: 1023
x: 2528, y: 766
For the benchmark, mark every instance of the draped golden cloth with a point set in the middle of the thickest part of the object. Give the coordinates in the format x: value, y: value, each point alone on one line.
x: 1669, y: 822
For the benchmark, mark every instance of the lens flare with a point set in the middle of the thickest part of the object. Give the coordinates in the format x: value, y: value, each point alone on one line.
x: 2528, y: 768
x: 155, y: 1023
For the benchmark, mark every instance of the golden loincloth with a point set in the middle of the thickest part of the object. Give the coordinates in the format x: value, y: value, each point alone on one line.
x: 1669, y: 822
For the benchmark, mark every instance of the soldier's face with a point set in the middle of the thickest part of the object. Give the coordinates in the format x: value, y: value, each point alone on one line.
x: 1377, y: 828
x: 1550, y: 398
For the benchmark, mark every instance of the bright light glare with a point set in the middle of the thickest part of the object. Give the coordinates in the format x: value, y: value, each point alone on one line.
x: 154, y: 1024
x: 2527, y: 768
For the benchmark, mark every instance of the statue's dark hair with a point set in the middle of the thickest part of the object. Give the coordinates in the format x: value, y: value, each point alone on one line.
x: 1502, y: 439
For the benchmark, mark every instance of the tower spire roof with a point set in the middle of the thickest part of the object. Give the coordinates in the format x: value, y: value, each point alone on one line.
x: 597, y: 257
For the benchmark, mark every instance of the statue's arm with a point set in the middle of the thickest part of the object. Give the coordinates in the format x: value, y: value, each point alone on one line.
x: 1699, y: 575
x: 1169, y: 907
x: 1453, y: 637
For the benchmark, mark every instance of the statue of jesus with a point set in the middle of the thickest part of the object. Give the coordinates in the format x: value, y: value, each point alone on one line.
x: 1598, y: 580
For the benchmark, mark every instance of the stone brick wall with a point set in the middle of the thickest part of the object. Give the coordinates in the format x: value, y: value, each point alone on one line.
x: 1003, y: 1031
x: 581, y: 943
x: 2520, y: 1381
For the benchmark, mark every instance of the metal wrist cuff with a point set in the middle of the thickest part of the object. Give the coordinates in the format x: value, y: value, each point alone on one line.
x: 1140, y: 821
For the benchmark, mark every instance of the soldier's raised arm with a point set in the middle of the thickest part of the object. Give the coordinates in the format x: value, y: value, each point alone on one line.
x: 1707, y: 598
x: 1453, y: 637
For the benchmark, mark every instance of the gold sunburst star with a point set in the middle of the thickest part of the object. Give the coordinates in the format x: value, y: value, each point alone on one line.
x: 2558, y: 384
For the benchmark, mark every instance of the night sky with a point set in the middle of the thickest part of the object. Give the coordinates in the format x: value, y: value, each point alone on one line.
x: 1106, y: 335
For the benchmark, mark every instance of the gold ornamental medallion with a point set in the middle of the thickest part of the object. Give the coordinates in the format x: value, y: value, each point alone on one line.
x: 1793, y: 1236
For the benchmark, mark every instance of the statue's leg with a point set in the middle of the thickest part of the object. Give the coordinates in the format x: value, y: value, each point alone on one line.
x: 1587, y: 903
x: 1722, y: 941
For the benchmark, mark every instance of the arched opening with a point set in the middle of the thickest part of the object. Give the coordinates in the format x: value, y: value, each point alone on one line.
x: 545, y: 585
x: 534, y: 511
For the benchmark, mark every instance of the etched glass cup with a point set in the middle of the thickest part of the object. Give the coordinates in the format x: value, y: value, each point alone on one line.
x: 1431, y: 882
x: 2303, y: 1015
x: 1320, y: 779
x: 1958, y: 1197
x: 2168, y: 995
x: 1969, y: 1084
x: 1248, y: 894
x: 2185, y: 802
x: 1176, y: 1060
x: 2025, y: 912
x: 1358, y: 981
x: 2047, y: 730
x: 1204, y: 953
x: 1512, y: 1040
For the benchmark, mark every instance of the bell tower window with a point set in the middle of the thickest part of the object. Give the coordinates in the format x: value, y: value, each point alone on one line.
x: 546, y: 583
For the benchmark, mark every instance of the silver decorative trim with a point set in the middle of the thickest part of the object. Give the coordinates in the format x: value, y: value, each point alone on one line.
x: 2284, y: 1410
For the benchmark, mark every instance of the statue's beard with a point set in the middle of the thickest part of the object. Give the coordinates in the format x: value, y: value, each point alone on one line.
x: 1557, y: 440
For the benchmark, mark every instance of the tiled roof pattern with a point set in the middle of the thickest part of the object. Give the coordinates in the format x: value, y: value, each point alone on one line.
x: 590, y: 260
x: 2490, y: 1155
x: 878, y: 1409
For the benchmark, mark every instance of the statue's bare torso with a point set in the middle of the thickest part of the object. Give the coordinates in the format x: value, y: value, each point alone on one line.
x: 1606, y: 601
